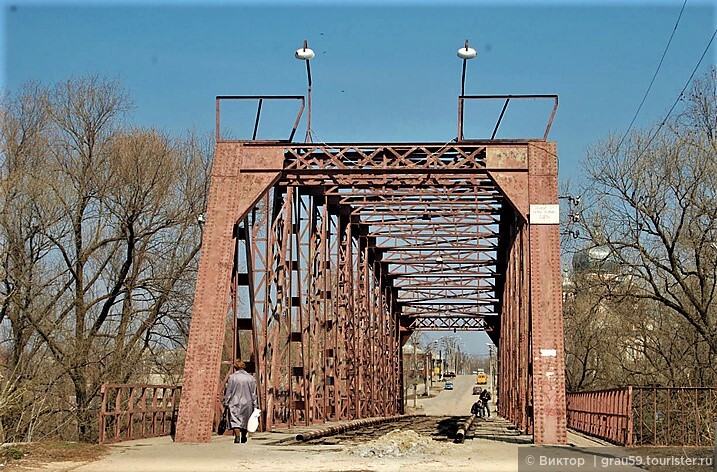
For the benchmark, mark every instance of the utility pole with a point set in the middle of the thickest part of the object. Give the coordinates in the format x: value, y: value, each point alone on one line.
x: 415, y: 375
x: 458, y: 355
x: 440, y: 364
x: 491, y: 366
x: 429, y: 372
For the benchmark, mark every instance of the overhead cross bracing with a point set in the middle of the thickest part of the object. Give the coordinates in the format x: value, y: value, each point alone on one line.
x: 406, y: 199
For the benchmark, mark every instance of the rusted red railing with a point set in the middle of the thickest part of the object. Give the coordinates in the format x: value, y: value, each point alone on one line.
x: 604, y: 414
x: 136, y: 411
x: 646, y: 416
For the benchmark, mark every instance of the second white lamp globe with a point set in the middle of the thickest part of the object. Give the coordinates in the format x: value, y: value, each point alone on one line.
x: 304, y: 54
x: 467, y: 53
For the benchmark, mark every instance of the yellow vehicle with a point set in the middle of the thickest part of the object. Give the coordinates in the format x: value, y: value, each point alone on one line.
x: 481, y: 378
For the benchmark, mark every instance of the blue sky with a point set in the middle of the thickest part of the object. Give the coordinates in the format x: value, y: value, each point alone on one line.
x: 382, y: 73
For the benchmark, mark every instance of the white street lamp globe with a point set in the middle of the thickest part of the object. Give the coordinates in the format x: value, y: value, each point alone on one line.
x: 304, y: 54
x: 467, y: 53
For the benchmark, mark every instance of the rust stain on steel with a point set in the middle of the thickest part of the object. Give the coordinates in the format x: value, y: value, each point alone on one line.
x: 231, y: 196
x: 549, y: 410
x: 507, y: 157
x: 258, y: 159
x: 515, y: 188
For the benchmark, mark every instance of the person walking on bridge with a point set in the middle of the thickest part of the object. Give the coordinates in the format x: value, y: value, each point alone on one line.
x: 485, y: 398
x: 240, y: 399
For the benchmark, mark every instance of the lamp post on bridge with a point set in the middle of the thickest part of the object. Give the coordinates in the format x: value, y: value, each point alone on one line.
x: 306, y: 54
x: 465, y: 53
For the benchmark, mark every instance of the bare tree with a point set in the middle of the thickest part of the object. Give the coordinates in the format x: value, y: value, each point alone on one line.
x: 111, y: 234
x: 24, y: 137
x: 614, y: 339
x: 653, y: 204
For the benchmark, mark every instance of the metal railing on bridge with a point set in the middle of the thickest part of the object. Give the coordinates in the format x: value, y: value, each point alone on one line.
x: 646, y: 416
x: 136, y: 411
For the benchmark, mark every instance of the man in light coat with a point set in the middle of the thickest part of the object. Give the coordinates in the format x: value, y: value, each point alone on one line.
x: 241, y: 400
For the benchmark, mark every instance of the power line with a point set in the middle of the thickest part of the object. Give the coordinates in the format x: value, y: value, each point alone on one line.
x: 687, y: 84
x: 654, y: 76
x: 672, y: 108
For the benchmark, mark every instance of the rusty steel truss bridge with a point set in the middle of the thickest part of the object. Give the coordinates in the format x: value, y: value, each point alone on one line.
x: 319, y: 260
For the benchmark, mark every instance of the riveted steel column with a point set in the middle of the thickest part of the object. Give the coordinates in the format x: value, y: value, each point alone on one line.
x: 351, y: 339
x: 231, y: 195
x: 549, y: 412
x: 317, y: 316
x: 287, y: 302
x: 377, y: 341
x: 397, y: 349
x: 383, y: 348
x: 331, y: 381
x: 262, y: 255
x: 345, y: 319
x: 514, y: 340
x: 361, y: 358
x: 301, y: 316
x: 279, y: 322
x: 387, y: 351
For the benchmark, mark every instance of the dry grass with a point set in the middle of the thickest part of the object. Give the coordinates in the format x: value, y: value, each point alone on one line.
x: 33, y: 455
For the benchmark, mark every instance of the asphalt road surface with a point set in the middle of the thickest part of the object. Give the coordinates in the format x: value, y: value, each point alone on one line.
x: 456, y: 402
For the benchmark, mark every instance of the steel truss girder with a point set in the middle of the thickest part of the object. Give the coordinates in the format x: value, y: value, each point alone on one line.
x: 442, y: 292
x: 370, y: 180
x: 412, y: 221
x: 408, y: 243
x: 440, y: 323
x: 352, y: 158
x: 443, y: 233
x: 449, y: 312
x: 475, y: 282
x: 356, y: 246
x: 478, y: 246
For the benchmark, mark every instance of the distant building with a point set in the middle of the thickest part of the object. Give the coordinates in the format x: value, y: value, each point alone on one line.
x: 597, y: 268
x: 597, y: 261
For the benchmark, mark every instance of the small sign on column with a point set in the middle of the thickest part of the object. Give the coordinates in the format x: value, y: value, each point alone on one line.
x: 544, y: 214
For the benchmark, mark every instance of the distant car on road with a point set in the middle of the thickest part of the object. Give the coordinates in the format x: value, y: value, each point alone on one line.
x: 449, y: 386
x: 477, y: 390
x: 450, y: 375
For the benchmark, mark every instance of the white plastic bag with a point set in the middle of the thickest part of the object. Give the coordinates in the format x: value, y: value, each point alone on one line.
x: 253, y: 424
